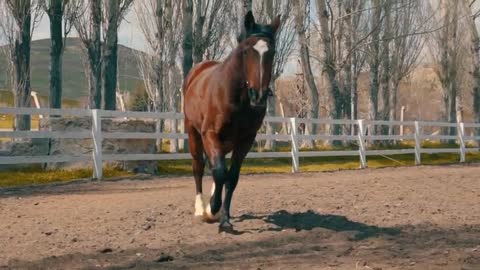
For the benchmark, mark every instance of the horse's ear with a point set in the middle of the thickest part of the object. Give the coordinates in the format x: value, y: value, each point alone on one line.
x: 249, y: 21
x: 276, y: 23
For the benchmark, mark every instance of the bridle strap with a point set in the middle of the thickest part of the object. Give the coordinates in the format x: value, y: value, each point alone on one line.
x: 263, y: 34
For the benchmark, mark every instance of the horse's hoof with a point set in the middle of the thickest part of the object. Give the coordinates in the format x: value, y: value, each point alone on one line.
x: 212, y: 218
x: 226, y: 227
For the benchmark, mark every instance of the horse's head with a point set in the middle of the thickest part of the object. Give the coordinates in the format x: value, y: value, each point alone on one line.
x: 258, y: 49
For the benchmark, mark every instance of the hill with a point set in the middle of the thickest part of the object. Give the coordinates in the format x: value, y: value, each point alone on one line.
x: 74, y: 80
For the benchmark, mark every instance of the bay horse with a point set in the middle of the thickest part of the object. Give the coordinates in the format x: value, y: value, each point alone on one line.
x: 225, y: 103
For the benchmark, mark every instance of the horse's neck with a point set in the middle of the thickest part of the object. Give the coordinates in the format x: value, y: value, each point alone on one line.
x: 232, y: 72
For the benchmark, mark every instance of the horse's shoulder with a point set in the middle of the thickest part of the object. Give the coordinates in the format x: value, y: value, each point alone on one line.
x: 198, y: 69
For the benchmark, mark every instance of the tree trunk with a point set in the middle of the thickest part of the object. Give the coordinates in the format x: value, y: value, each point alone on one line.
x: 271, y: 101
x: 187, y: 42
x: 452, y: 109
x: 475, y: 40
x: 247, y: 5
x: 476, y: 89
x: 110, y: 54
x: 374, y: 65
x: 306, y: 67
x: 21, y: 68
x: 94, y: 63
x: 55, y: 15
x: 329, y: 64
x: 392, y: 100
x: 198, y: 44
x: 387, y: 68
x: 187, y: 47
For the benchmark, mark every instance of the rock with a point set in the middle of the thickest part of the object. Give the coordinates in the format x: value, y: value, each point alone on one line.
x: 109, y: 146
x: 150, y: 219
x: 164, y: 258
x: 106, y: 250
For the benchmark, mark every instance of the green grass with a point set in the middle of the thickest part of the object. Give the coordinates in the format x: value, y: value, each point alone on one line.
x: 318, y: 164
x: 35, y: 176
x: 6, y: 121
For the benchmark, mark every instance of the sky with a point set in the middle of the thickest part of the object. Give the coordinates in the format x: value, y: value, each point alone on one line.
x: 128, y: 35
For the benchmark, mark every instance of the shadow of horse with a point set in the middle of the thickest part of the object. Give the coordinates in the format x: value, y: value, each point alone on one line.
x: 310, y: 220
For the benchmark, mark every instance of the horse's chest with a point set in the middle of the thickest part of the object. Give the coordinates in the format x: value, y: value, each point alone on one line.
x: 239, y: 128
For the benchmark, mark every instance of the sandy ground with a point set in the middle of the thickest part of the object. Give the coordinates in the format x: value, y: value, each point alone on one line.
x: 401, y: 218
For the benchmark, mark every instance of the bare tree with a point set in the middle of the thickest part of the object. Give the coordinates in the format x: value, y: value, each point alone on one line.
x: 475, y: 48
x: 113, y: 14
x: 243, y: 7
x: 329, y: 64
x: 187, y: 41
x: 160, y: 23
x: 407, y: 18
x: 386, y: 72
x: 212, y: 18
x: 60, y: 15
x: 16, y: 25
x: 300, y: 8
x: 355, y: 56
x: 448, y: 49
x: 284, y: 45
x: 88, y: 26
x: 340, y: 52
x: 374, y: 60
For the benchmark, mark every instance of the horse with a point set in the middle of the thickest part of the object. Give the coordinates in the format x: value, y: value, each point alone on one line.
x: 224, y: 106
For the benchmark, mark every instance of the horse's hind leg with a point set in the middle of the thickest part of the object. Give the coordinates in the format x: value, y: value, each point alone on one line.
x: 198, y: 165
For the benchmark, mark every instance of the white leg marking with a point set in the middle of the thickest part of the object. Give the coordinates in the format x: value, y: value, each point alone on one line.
x: 213, y: 188
x: 212, y: 217
x: 199, y: 205
x: 208, y: 209
x: 261, y: 47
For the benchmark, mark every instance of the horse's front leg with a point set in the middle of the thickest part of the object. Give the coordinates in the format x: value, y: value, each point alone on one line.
x: 238, y: 156
x: 198, y: 166
x: 218, y: 166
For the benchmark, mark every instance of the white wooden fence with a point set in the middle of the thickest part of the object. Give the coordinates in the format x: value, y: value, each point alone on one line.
x: 294, y: 138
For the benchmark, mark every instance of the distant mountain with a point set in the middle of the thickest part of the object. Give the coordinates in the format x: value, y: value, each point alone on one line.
x: 74, y: 80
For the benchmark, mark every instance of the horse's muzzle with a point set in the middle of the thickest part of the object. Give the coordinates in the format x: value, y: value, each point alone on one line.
x: 259, y: 98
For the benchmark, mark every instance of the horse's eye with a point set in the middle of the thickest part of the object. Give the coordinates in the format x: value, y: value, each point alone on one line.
x: 245, y: 51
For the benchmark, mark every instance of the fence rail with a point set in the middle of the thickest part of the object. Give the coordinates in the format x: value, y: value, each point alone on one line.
x: 294, y: 137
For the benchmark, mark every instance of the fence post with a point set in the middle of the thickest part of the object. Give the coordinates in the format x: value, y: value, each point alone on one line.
x: 418, y: 145
x: 173, y: 130
x: 97, y: 144
x: 293, y: 134
x: 361, y: 144
x: 461, y: 134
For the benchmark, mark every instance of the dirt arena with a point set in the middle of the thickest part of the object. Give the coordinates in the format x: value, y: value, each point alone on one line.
x: 396, y: 218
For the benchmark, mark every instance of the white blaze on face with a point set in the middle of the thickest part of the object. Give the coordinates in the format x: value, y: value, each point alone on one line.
x: 261, y: 47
